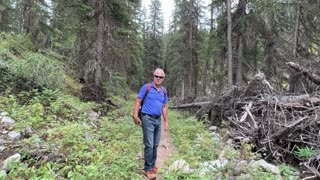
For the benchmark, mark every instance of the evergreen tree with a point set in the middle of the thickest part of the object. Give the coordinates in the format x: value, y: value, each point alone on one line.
x: 6, y: 14
x: 33, y: 20
x: 153, y: 39
x: 186, y: 41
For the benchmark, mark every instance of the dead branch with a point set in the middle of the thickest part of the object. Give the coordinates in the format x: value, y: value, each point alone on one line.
x: 286, y: 129
x: 245, y: 114
x: 311, y: 76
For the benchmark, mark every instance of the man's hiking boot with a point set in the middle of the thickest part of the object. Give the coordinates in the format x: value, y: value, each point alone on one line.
x: 150, y: 174
x: 155, y: 169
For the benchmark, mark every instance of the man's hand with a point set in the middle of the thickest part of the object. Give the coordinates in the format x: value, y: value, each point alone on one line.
x: 137, y: 120
x: 166, y: 126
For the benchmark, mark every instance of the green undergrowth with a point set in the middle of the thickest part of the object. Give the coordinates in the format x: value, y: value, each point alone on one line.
x: 23, y: 67
x: 66, y: 144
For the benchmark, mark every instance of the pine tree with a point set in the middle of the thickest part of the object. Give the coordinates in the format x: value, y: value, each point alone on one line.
x: 33, y: 20
x: 153, y: 39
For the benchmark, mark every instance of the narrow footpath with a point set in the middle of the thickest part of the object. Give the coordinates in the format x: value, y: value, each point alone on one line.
x: 165, y: 149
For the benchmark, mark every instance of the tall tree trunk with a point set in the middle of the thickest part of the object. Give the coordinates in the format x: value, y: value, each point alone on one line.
x: 240, y: 57
x: 296, y: 30
x: 191, y: 54
x: 25, y: 21
x: 208, y: 56
x: 229, y: 53
x: 195, y: 42
x: 182, y: 90
x: 269, y: 54
x: 190, y: 45
x: 100, y: 23
x: 242, y: 6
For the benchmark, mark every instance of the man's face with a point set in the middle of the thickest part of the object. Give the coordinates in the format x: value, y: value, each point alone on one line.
x: 158, y: 77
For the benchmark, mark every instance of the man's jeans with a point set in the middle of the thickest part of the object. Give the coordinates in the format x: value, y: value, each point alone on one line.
x: 151, y: 138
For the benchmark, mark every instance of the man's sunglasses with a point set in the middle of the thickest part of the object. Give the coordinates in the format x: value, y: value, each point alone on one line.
x: 158, y: 77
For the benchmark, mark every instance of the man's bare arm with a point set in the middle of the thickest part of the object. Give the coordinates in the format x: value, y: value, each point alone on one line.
x: 136, y: 108
x: 165, y: 116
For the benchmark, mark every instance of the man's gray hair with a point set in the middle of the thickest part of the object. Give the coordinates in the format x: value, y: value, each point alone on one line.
x: 159, y: 70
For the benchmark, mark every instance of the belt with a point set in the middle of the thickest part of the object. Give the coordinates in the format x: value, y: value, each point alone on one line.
x: 152, y: 116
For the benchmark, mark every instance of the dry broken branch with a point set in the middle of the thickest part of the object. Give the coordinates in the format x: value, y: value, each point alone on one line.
x: 285, y: 129
x: 311, y: 76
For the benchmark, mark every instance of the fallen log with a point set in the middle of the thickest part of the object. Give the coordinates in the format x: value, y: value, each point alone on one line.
x: 286, y: 98
x: 190, y: 105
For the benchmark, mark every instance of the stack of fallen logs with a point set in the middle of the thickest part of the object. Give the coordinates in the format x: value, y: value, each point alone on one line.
x: 276, y: 125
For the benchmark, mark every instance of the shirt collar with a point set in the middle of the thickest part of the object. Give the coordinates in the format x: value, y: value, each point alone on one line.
x: 152, y: 85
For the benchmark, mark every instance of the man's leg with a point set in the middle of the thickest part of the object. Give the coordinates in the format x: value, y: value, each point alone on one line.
x: 148, y: 140
x: 157, y: 135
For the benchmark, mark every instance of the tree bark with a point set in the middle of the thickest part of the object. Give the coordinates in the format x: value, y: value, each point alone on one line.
x: 191, y: 64
x: 242, y: 6
x: 26, y: 16
x: 296, y: 31
x: 208, y: 56
x: 100, y: 23
x: 229, y: 54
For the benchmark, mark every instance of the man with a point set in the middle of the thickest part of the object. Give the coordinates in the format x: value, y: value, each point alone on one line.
x: 154, y: 103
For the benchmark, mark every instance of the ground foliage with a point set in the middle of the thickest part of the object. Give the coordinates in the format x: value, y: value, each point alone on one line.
x: 66, y: 144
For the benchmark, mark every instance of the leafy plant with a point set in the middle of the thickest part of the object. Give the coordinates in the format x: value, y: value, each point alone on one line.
x: 305, y: 152
x: 12, y: 46
x: 39, y: 69
x: 286, y: 171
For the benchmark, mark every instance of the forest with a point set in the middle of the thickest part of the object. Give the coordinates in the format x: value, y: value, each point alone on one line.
x: 70, y: 71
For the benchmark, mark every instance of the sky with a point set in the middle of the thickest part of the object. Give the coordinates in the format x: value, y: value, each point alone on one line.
x: 167, y: 9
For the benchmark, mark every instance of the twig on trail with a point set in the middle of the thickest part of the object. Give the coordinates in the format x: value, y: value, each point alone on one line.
x: 310, y: 177
x: 165, y: 146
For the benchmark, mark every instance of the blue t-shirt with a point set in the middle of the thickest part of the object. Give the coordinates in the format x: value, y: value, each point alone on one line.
x: 154, y: 100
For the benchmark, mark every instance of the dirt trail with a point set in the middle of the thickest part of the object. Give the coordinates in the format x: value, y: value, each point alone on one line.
x: 165, y: 149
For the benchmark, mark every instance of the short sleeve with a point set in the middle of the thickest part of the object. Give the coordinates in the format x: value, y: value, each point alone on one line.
x: 165, y: 100
x: 142, y: 91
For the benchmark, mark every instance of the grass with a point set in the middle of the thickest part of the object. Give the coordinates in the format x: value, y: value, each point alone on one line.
x: 81, y: 148
x: 65, y: 144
